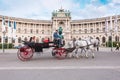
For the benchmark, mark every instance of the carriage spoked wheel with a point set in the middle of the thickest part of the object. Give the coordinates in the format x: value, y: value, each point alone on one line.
x: 25, y: 53
x: 59, y: 53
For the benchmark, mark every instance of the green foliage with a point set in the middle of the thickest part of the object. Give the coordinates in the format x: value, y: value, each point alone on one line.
x: 111, y: 44
x: 7, y: 46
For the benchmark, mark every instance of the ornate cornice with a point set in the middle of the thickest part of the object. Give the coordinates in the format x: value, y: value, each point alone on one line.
x: 94, y: 20
x: 24, y: 20
x: 82, y: 21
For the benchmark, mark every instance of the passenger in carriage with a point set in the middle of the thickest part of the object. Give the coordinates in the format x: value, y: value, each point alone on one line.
x: 32, y: 39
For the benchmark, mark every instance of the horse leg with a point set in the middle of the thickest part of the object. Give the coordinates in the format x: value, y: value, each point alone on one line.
x: 82, y: 49
x: 86, y: 53
x: 76, y: 53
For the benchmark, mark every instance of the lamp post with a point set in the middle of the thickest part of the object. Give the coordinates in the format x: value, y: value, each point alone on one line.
x: 111, y: 32
x: 3, y: 40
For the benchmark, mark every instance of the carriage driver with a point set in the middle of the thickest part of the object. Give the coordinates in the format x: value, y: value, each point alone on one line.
x: 56, y: 37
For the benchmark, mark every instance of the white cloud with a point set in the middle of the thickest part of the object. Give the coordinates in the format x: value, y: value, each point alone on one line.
x: 116, y: 1
x: 94, y: 11
x: 42, y: 9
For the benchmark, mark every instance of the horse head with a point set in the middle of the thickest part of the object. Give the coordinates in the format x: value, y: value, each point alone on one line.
x: 95, y: 42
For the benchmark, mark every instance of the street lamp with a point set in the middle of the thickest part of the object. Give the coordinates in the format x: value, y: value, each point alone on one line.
x: 111, y: 32
x: 113, y: 29
x: 3, y: 40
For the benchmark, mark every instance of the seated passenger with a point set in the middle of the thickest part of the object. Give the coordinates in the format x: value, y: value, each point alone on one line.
x: 32, y: 39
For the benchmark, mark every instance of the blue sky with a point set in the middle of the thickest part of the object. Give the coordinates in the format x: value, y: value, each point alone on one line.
x: 42, y: 9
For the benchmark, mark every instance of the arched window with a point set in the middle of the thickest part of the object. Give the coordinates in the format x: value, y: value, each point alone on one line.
x: 91, y: 30
x: 42, y: 31
x: 6, y: 39
x: 61, y: 23
x: 19, y: 40
x: 103, y: 29
x: 103, y: 39
x: 25, y: 39
x: 85, y: 30
x: 97, y: 30
x: 31, y: 30
x: 116, y: 38
x: 13, y: 40
x: 37, y: 31
x: 110, y: 38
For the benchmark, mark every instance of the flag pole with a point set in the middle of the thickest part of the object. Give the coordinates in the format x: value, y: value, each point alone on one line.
x: 8, y: 34
x: 106, y: 30
x: 111, y: 31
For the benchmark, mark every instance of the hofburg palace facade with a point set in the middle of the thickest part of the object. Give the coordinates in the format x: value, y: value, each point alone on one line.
x: 26, y: 28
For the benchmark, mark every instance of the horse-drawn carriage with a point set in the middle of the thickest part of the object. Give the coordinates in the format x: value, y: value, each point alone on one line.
x: 26, y: 52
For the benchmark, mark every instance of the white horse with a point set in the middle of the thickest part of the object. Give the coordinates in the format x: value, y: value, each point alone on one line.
x: 85, y: 45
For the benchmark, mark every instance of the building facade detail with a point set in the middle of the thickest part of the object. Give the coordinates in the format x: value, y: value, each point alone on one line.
x: 26, y: 28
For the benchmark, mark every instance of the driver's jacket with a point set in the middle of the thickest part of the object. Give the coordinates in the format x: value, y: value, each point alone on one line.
x: 56, y: 35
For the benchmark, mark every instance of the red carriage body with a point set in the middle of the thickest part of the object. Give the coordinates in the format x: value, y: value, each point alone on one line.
x: 26, y: 52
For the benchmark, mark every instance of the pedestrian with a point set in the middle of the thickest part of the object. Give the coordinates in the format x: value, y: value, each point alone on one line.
x: 117, y: 46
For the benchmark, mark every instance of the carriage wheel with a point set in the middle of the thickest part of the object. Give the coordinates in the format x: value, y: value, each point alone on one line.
x: 19, y: 56
x: 60, y: 53
x: 26, y: 54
